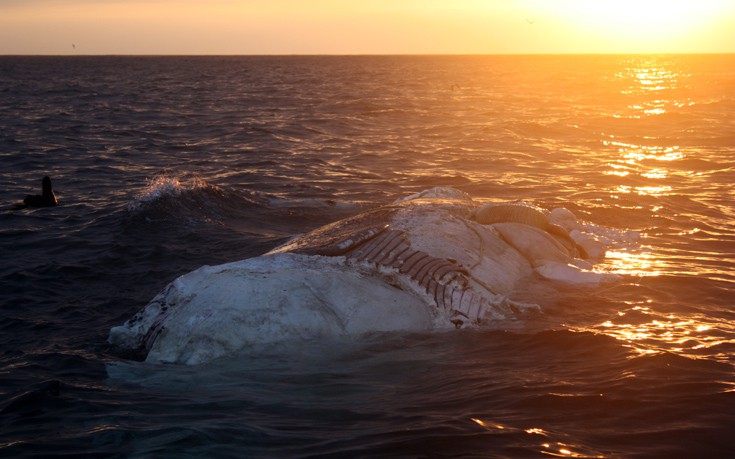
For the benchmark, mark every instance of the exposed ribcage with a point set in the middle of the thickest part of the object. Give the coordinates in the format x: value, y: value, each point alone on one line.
x: 443, y: 279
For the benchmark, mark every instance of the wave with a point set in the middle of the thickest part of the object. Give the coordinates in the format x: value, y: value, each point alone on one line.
x: 162, y: 187
x: 190, y: 201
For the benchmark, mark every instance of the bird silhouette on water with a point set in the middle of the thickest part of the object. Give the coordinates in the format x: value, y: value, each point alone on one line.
x: 47, y: 198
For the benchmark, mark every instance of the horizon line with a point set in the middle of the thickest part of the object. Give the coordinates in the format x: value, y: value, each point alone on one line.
x: 710, y: 53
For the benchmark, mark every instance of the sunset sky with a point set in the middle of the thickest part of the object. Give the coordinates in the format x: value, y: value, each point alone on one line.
x: 365, y: 26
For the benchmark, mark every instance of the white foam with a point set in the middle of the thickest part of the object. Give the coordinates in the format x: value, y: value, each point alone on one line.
x: 164, y: 185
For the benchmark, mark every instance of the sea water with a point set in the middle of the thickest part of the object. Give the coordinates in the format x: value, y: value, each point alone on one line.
x: 164, y: 164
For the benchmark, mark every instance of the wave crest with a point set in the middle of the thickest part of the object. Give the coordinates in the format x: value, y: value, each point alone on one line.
x: 162, y: 186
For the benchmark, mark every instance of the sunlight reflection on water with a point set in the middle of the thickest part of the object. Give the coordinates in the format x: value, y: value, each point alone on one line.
x: 649, y: 332
x: 547, y: 448
x: 647, y: 328
x: 650, y: 75
x: 644, y: 168
x: 632, y: 157
x: 644, y: 190
x: 648, y: 81
x: 636, y: 264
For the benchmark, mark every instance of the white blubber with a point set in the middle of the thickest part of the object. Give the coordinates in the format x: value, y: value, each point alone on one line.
x: 422, y: 263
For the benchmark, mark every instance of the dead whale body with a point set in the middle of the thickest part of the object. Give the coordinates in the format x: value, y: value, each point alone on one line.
x: 431, y: 261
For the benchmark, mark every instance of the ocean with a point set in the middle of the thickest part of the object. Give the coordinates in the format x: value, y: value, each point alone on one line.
x: 164, y: 164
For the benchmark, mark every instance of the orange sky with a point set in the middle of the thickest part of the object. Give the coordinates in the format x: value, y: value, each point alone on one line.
x: 366, y: 26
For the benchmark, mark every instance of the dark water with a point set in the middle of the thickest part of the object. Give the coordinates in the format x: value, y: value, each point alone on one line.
x: 163, y: 164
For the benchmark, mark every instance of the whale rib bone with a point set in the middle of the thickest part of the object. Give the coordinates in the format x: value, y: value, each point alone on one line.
x: 444, y: 280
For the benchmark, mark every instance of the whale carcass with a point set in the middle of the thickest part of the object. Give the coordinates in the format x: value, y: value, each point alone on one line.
x: 433, y: 260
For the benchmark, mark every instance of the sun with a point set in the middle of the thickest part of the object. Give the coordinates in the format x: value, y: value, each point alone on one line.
x: 636, y: 24
x: 647, y: 17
